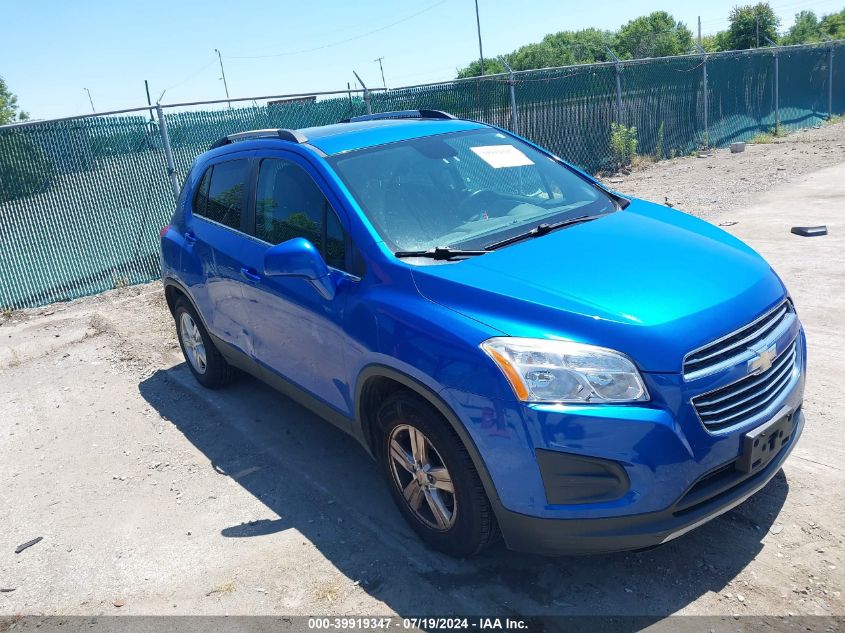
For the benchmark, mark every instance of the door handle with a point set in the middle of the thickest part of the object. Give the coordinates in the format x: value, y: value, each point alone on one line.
x: 250, y: 275
x: 190, y: 238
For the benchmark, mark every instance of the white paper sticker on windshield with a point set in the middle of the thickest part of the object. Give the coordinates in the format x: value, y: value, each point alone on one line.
x: 498, y: 156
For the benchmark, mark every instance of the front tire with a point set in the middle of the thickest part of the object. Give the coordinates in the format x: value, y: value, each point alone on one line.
x: 432, y: 478
x: 203, y: 359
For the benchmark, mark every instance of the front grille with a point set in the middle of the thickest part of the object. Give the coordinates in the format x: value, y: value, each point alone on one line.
x: 742, y: 400
x: 725, y: 352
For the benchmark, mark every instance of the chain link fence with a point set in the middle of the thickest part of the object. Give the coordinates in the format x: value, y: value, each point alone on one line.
x: 82, y: 199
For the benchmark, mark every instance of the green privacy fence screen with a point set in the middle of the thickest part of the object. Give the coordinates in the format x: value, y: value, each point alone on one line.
x: 82, y: 200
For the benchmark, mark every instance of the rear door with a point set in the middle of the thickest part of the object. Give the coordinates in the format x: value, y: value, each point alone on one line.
x: 214, y: 236
x: 296, y: 332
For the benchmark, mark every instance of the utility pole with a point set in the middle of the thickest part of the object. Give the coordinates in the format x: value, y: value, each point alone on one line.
x: 381, y: 68
x: 757, y: 22
x: 149, y: 101
x: 223, y: 73
x: 699, y: 30
x: 480, y: 50
x: 91, y: 101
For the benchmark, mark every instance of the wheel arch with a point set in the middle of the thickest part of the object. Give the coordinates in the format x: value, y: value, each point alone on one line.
x: 173, y: 291
x: 376, y: 382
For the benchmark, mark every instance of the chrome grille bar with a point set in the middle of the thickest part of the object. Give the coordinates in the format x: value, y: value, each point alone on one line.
x: 731, y: 348
x: 778, y: 366
x: 749, y: 396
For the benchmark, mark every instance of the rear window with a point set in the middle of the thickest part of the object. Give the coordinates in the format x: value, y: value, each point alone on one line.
x: 220, y: 196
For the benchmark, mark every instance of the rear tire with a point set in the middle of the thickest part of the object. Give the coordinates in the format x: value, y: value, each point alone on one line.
x: 432, y: 478
x: 203, y: 359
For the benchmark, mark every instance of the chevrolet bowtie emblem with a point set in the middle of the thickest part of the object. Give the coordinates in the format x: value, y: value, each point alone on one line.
x: 763, y: 360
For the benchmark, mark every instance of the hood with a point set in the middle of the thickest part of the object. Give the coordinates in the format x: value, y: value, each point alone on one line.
x: 648, y: 281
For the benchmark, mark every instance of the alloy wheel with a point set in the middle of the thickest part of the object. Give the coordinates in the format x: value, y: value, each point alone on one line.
x: 422, y: 476
x: 192, y: 342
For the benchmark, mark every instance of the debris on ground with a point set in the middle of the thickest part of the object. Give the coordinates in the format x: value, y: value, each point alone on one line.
x: 28, y: 544
x: 809, y: 231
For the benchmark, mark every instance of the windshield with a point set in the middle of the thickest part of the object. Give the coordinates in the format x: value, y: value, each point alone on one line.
x: 465, y: 189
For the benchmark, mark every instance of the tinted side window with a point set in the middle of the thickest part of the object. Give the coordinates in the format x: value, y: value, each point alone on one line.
x: 221, y: 193
x: 201, y: 197
x: 335, y: 251
x: 290, y: 204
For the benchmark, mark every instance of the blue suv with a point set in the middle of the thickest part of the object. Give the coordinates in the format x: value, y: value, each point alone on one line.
x: 523, y: 351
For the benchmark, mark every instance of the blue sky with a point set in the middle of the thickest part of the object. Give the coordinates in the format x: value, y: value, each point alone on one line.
x: 50, y: 51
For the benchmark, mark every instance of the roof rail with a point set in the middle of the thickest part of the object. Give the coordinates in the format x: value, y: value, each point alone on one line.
x: 401, y: 114
x: 293, y: 136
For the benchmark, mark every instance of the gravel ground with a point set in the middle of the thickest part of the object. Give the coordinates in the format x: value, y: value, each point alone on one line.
x: 154, y: 496
x: 723, y: 182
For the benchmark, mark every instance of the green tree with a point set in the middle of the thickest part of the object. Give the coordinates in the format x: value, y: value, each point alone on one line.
x: 491, y: 67
x: 833, y: 25
x: 530, y: 56
x: 715, y: 43
x: 556, y: 49
x: 744, y: 21
x: 805, y: 30
x: 576, y: 47
x: 653, y: 35
x: 9, y: 109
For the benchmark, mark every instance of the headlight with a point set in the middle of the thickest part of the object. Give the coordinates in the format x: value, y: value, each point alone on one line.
x: 542, y: 370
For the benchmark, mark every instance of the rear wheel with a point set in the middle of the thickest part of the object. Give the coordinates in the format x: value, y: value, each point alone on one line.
x: 432, y: 478
x: 204, y: 360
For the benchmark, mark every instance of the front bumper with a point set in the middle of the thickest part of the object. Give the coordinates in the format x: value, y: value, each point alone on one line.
x: 612, y: 534
x: 670, y: 475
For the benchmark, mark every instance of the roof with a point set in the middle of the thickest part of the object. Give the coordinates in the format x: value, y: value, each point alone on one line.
x: 346, y: 137
x: 338, y: 138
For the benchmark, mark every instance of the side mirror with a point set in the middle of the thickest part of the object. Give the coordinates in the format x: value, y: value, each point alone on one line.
x: 299, y: 258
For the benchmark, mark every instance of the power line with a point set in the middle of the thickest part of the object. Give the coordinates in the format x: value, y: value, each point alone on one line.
x: 344, y: 41
x: 190, y: 76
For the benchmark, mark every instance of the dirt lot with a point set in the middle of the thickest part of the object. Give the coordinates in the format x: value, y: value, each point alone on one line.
x: 722, y: 183
x: 155, y: 496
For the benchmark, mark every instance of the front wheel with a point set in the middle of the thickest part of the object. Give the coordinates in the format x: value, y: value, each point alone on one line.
x: 432, y: 478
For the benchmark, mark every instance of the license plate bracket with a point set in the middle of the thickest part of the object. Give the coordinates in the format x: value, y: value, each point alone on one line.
x: 760, y: 445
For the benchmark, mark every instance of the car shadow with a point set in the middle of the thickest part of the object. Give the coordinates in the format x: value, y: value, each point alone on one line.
x: 319, y: 481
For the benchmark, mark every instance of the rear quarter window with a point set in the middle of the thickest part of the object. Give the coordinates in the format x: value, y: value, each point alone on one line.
x: 220, y: 195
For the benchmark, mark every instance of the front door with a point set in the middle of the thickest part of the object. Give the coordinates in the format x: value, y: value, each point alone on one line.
x: 296, y: 332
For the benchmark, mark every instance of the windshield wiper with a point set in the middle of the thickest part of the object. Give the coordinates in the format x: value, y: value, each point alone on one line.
x: 542, y: 229
x: 441, y: 253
